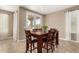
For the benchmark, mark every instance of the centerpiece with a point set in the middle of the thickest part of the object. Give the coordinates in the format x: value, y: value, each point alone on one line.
x: 45, y: 28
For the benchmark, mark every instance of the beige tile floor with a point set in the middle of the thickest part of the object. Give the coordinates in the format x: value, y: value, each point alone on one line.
x: 11, y: 46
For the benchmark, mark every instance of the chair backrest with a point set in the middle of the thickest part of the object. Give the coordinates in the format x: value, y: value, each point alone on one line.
x: 28, y: 34
x: 52, y: 34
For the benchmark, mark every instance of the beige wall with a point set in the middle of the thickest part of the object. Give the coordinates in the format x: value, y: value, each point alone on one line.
x: 11, y: 24
x: 56, y: 20
x: 22, y: 17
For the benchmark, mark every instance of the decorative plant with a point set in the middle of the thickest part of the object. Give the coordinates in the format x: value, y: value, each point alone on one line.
x: 44, y: 27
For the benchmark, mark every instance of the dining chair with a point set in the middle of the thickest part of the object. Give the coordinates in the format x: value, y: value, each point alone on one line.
x: 50, y: 40
x: 56, y: 35
x: 29, y: 41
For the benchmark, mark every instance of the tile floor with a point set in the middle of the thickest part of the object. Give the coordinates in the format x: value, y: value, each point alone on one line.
x: 11, y: 46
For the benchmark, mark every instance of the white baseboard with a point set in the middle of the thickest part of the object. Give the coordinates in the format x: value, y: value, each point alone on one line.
x: 68, y: 40
x: 6, y: 38
x: 59, y: 39
x: 62, y: 38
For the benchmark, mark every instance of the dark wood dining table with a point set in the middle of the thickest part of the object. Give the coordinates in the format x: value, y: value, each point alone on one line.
x: 40, y: 35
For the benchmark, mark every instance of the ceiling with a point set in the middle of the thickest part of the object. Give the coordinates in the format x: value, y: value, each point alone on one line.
x: 43, y: 9
x: 11, y: 8
x: 46, y: 9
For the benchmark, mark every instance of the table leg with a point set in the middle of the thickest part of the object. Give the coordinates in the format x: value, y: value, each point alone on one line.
x: 39, y: 44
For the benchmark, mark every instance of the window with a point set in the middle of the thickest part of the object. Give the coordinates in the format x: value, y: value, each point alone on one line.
x: 4, y: 23
x: 74, y: 22
x: 37, y: 22
x: 32, y: 20
x: 27, y: 23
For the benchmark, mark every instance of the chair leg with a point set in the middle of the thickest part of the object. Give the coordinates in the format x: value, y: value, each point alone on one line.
x: 26, y: 51
x: 33, y: 45
x: 47, y: 47
x: 52, y: 48
x: 31, y: 48
x: 51, y: 45
x: 27, y: 47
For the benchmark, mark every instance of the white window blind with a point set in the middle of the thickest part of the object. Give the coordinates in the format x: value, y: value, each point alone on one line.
x: 4, y: 23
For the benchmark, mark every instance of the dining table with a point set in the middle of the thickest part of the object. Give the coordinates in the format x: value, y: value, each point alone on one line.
x: 40, y: 35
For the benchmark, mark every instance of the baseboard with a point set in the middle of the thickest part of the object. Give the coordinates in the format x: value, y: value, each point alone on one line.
x: 59, y: 39
x: 62, y: 38
x: 68, y: 40
x: 21, y: 40
x: 6, y: 38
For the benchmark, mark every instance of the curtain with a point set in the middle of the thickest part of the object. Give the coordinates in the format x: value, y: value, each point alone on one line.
x: 4, y: 23
x: 68, y: 25
x: 77, y: 25
x: 4, y: 28
x: 72, y: 25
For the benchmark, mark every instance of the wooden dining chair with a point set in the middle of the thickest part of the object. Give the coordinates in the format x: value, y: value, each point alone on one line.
x: 29, y: 41
x: 50, y: 40
x: 56, y: 36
